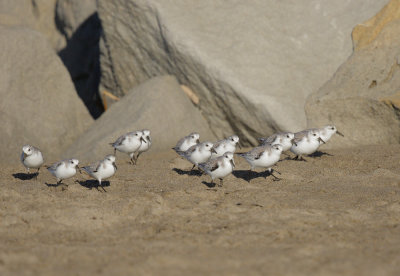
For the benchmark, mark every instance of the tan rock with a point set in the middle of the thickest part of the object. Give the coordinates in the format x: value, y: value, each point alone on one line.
x: 39, y: 104
x: 159, y: 105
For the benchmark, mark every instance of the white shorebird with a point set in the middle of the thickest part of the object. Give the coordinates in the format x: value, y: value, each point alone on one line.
x: 64, y: 169
x: 326, y: 132
x: 283, y: 138
x: 186, y: 142
x: 144, y: 146
x: 219, y: 167
x: 102, y: 169
x: 31, y: 158
x: 129, y: 143
x: 263, y: 157
x: 225, y: 145
x: 199, y: 153
x: 305, y: 142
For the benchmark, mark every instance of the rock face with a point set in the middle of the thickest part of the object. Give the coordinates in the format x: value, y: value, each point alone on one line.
x: 79, y: 22
x: 252, y: 64
x: 38, y: 103
x: 159, y: 105
x: 35, y: 14
x: 363, y: 97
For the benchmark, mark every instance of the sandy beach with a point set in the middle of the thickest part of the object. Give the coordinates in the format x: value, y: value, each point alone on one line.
x: 336, y: 214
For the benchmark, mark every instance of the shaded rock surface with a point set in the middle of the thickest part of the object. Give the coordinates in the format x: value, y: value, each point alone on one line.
x: 159, y: 105
x: 362, y: 98
x: 252, y: 64
x: 38, y: 103
x: 34, y: 14
x: 79, y: 22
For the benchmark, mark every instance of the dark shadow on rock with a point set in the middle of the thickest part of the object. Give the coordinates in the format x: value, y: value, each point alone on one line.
x: 26, y: 176
x: 250, y: 175
x: 81, y: 57
x: 189, y: 172
x: 90, y: 184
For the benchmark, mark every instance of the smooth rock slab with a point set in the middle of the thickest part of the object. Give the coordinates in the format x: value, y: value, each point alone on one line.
x: 159, y: 105
x: 251, y: 63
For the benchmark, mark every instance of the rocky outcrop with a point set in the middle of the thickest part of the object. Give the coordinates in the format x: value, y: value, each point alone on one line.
x: 159, y: 105
x: 362, y: 98
x: 38, y: 103
x: 78, y: 21
x: 251, y: 64
x: 37, y: 15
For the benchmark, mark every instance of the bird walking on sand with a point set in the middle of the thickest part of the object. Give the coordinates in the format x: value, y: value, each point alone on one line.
x: 32, y: 158
x: 129, y: 143
x: 102, y: 169
x: 199, y: 153
x: 305, y: 142
x: 263, y: 157
x: 64, y: 169
x: 219, y: 167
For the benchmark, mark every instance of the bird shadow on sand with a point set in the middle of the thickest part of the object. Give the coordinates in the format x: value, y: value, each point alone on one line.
x: 189, y: 172
x: 25, y: 176
x: 90, y: 184
x: 249, y: 175
x: 319, y: 154
x: 209, y: 184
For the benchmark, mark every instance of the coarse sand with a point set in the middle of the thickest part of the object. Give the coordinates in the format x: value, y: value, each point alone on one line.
x: 336, y: 214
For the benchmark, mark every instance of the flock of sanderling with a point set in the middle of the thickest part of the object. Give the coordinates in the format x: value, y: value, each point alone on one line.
x: 214, y: 159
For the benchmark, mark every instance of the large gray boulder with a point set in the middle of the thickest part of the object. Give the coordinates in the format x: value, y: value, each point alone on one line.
x: 252, y: 63
x: 159, y: 105
x: 34, y: 14
x: 363, y: 97
x: 38, y: 103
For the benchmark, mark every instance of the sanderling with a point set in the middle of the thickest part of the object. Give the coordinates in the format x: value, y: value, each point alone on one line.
x: 63, y: 169
x: 225, y: 145
x: 102, y: 169
x: 219, y: 167
x: 32, y: 158
x: 129, y: 143
x: 198, y: 153
x: 186, y: 142
x: 263, y: 157
x: 326, y: 132
x: 144, y: 146
x: 305, y: 142
x: 283, y: 138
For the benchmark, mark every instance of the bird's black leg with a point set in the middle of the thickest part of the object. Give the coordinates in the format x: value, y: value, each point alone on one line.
x: 221, y: 182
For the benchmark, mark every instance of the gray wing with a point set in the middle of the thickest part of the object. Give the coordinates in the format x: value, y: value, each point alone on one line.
x: 218, y: 143
x: 23, y: 156
x: 92, y: 167
x: 300, y: 135
x: 119, y: 141
x: 269, y: 139
x: 211, y: 165
x: 54, y: 167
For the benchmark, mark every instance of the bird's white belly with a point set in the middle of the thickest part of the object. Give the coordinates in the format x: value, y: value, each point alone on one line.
x: 198, y: 157
x: 104, y: 172
x: 221, y: 171
x: 266, y: 161
x: 129, y: 147
x: 305, y: 147
x: 63, y: 173
x: 33, y: 161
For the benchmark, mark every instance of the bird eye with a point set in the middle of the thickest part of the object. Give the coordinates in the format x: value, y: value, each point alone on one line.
x: 315, y: 134
x: 333, y: 128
